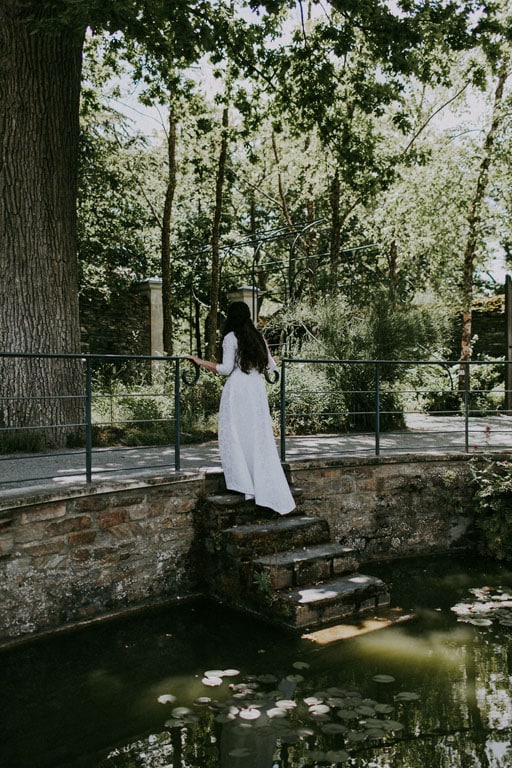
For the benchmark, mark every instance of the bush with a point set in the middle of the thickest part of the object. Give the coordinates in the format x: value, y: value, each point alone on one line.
x: 493, y: 500
x: 381, y: 330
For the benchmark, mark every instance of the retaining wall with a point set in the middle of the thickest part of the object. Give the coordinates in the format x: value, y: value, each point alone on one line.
x: 75, y: 555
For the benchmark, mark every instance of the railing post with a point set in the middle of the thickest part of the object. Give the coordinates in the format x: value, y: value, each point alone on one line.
x: 466, y: 406
x: 88, y: 420
x: 283, y: 412
x: 177, y: 417
x: 377, y: 409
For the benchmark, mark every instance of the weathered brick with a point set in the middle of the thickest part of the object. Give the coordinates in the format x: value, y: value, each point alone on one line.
x: 68, y: 525
x: 6, y: 544
x: 125, y: 530
x: 180, y: 505
x: 112, y: 517
x: 90, y: 503
x: 79, y: 538
x: 45, y: 548
x: 6, y: 523
x: 43, y: 512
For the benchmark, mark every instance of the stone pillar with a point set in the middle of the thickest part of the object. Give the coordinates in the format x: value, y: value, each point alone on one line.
x: 249, y: 295
x: 153, y: 286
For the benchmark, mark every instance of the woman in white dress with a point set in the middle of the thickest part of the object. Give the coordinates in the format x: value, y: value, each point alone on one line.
x: 248, y: 451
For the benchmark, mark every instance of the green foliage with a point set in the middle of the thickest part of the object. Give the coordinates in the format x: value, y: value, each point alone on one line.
x: 199, y: 408
x: 381, y: 330
x: 442, y: 397
x: 493, y: 505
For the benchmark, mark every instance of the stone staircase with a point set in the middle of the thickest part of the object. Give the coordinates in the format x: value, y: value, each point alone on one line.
x: 284, y: 569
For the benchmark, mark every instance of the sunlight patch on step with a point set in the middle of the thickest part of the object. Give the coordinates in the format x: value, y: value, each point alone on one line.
x: 346, y: 631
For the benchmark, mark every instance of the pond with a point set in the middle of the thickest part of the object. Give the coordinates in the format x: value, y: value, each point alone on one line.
x: 199, y: 686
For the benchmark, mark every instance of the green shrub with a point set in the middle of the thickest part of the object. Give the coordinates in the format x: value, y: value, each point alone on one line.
x: 493, y: 506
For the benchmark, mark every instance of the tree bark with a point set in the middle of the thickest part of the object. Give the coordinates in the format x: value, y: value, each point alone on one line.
x: 40, y: 73
x: 474, y: 221
x: 334, y: 256
x: 166, y: 266
x: 215, y: 242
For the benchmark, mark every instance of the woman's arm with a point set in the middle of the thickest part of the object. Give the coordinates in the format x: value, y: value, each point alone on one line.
x: 272, y: 364
x: 229, y: 346
x: 208, y: 364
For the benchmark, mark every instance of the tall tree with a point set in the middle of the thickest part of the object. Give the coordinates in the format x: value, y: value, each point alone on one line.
x: 474, y: 218
x: 40, y: 71
x: 39, y: 130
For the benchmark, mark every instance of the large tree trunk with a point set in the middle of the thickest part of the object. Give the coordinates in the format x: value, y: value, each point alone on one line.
x: 40, y: 73
x: 474, y: 221
x: 166, y: 238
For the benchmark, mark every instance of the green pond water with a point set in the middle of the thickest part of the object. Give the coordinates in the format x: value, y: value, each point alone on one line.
x: 199, y: 686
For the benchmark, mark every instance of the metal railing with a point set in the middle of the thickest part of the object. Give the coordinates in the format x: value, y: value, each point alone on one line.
x: 347, y: 406
x: 26, y: 418
x: 457, y: 397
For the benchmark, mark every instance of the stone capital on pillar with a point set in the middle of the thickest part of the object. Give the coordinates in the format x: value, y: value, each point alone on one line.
x: 249, y: 295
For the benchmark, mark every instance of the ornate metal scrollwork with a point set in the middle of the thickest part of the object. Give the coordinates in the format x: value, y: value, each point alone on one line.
x: 272, y: 376
x: 191, y: 377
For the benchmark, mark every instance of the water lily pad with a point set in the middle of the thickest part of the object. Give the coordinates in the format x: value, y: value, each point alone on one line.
x: 386, y: 709
x: 174, y: 723
x: 319, y: 709
x: 212, y: 682
x: 334, y: 728
x: 249, y: 714
x: 367, y: 711
x: 214, y: 673
x: 407, y: 696
x: 166, y: 698
x: 228, y: 673
x: 334, y: 691
x: 294, y: 678
x: 276, y: 712
x: 355, y: 736
x: 180, y: 711
x: 300, y: 665
x: 202, y: 701
x: 338, y: 757
x: 335, y: 701
x: 347, y: 714
x: 383, y: 679
x: 375, y: 734
x: 310, y: 700
x: 373, y: 722
x: 479, y: 621
x: 286, y: 703
x: 391, y: 725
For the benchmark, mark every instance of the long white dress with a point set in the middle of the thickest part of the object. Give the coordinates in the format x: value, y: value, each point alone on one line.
x: 248, y: 451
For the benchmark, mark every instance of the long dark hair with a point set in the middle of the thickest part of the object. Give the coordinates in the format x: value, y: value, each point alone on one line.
x: 252, y: 350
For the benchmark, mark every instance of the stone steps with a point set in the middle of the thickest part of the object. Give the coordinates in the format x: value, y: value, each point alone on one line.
x: 284, y: 568
x: 329, y: 601
x: 307, y: 565
x: 290, y: 532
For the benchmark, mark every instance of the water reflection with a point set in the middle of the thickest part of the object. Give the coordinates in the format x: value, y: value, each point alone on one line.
x: 435, y: 691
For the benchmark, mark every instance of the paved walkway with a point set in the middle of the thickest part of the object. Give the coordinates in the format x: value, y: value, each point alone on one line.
x: 424, y: 434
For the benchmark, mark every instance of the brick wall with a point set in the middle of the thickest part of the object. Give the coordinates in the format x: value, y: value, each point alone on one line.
x: 71, y: 559
x: 65, y: 560
x: 391, y: 507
